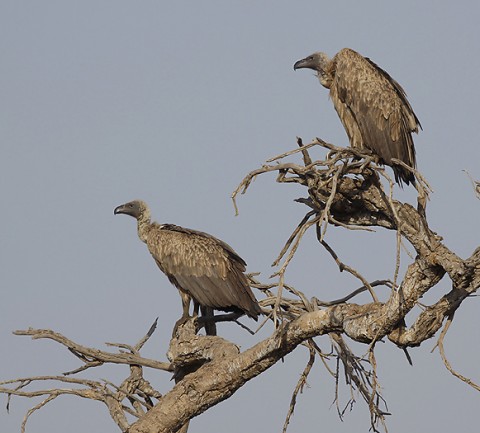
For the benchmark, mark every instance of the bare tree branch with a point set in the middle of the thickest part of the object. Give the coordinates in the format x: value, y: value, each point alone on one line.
x: 94, y: 357
x: 475, y: 184
x: 444, y: 357
x: 345, y: 188
x: 302, y: 381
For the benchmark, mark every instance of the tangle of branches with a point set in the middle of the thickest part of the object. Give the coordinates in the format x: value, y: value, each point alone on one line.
x: 345, y: 189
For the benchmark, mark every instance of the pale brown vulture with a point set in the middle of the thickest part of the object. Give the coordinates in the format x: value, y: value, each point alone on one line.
x: 202, y: 267
x: 372, y: 106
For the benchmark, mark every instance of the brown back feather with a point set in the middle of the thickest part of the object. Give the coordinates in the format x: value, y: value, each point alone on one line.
x: 204, y: 267
x: 374, y: 110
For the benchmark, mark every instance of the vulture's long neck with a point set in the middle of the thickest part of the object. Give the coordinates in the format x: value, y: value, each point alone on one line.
x: 143, y: 225
x: 325, y: 79
x: 326, y: 73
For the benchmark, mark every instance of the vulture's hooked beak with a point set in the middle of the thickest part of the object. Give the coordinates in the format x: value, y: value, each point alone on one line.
x: 307, y: 62
x: 134, y: 208
x: 119, y: 209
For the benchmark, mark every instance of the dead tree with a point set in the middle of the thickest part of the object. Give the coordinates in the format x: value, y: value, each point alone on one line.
x: 344, y: 189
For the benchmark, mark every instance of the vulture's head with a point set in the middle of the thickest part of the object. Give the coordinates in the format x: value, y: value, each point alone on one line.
x: 136, y: 209
x: 316, y: 61
x: 319, y: 63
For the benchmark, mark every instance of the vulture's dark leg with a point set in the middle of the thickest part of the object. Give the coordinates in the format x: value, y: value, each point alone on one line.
x: 208, y: 320
x: 186, y: 312
x: 185, y: 304
x: 229, y: 317
x: 196, y: 308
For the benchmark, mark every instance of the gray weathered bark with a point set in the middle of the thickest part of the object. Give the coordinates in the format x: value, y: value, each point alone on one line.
x: 208, y: 369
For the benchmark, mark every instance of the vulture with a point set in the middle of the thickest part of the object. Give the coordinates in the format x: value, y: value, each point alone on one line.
x: 372, y: 107
x: 203, y: 268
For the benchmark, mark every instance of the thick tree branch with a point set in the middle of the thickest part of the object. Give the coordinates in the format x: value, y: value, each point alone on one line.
x: 345, y: 189
x: 219, y: 379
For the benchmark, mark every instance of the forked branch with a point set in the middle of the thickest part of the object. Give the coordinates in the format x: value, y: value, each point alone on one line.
x: 344, y: 188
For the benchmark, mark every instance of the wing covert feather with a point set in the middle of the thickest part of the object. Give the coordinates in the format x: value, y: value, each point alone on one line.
x: 201, y: 265
x: 373, y: 108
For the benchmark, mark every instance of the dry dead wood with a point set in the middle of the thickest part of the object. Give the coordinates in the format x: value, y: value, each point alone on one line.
x: 343, y: 189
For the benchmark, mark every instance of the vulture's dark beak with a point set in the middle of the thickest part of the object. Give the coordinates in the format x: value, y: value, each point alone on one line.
x: 119, y: 209
x: 304, y: 63
x: 132, y: 208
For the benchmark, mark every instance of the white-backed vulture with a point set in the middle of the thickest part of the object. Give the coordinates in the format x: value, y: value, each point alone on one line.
x: 372, y: 106
x: 202, y: 267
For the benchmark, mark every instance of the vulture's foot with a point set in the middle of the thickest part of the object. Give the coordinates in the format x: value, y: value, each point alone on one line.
x: 183, y: 323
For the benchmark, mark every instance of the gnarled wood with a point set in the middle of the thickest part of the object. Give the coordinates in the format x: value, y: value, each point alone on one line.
x: 341, y: 191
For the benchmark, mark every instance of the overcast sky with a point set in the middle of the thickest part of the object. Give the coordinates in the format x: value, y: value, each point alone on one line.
x: 103, y: 102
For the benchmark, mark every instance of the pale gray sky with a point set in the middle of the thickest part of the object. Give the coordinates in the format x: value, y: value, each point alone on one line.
x: 104, y: 102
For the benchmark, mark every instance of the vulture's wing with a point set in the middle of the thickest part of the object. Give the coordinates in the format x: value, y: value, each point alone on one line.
x: 379, y: 107
x: 203, y: 266
x: 228, y: 249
